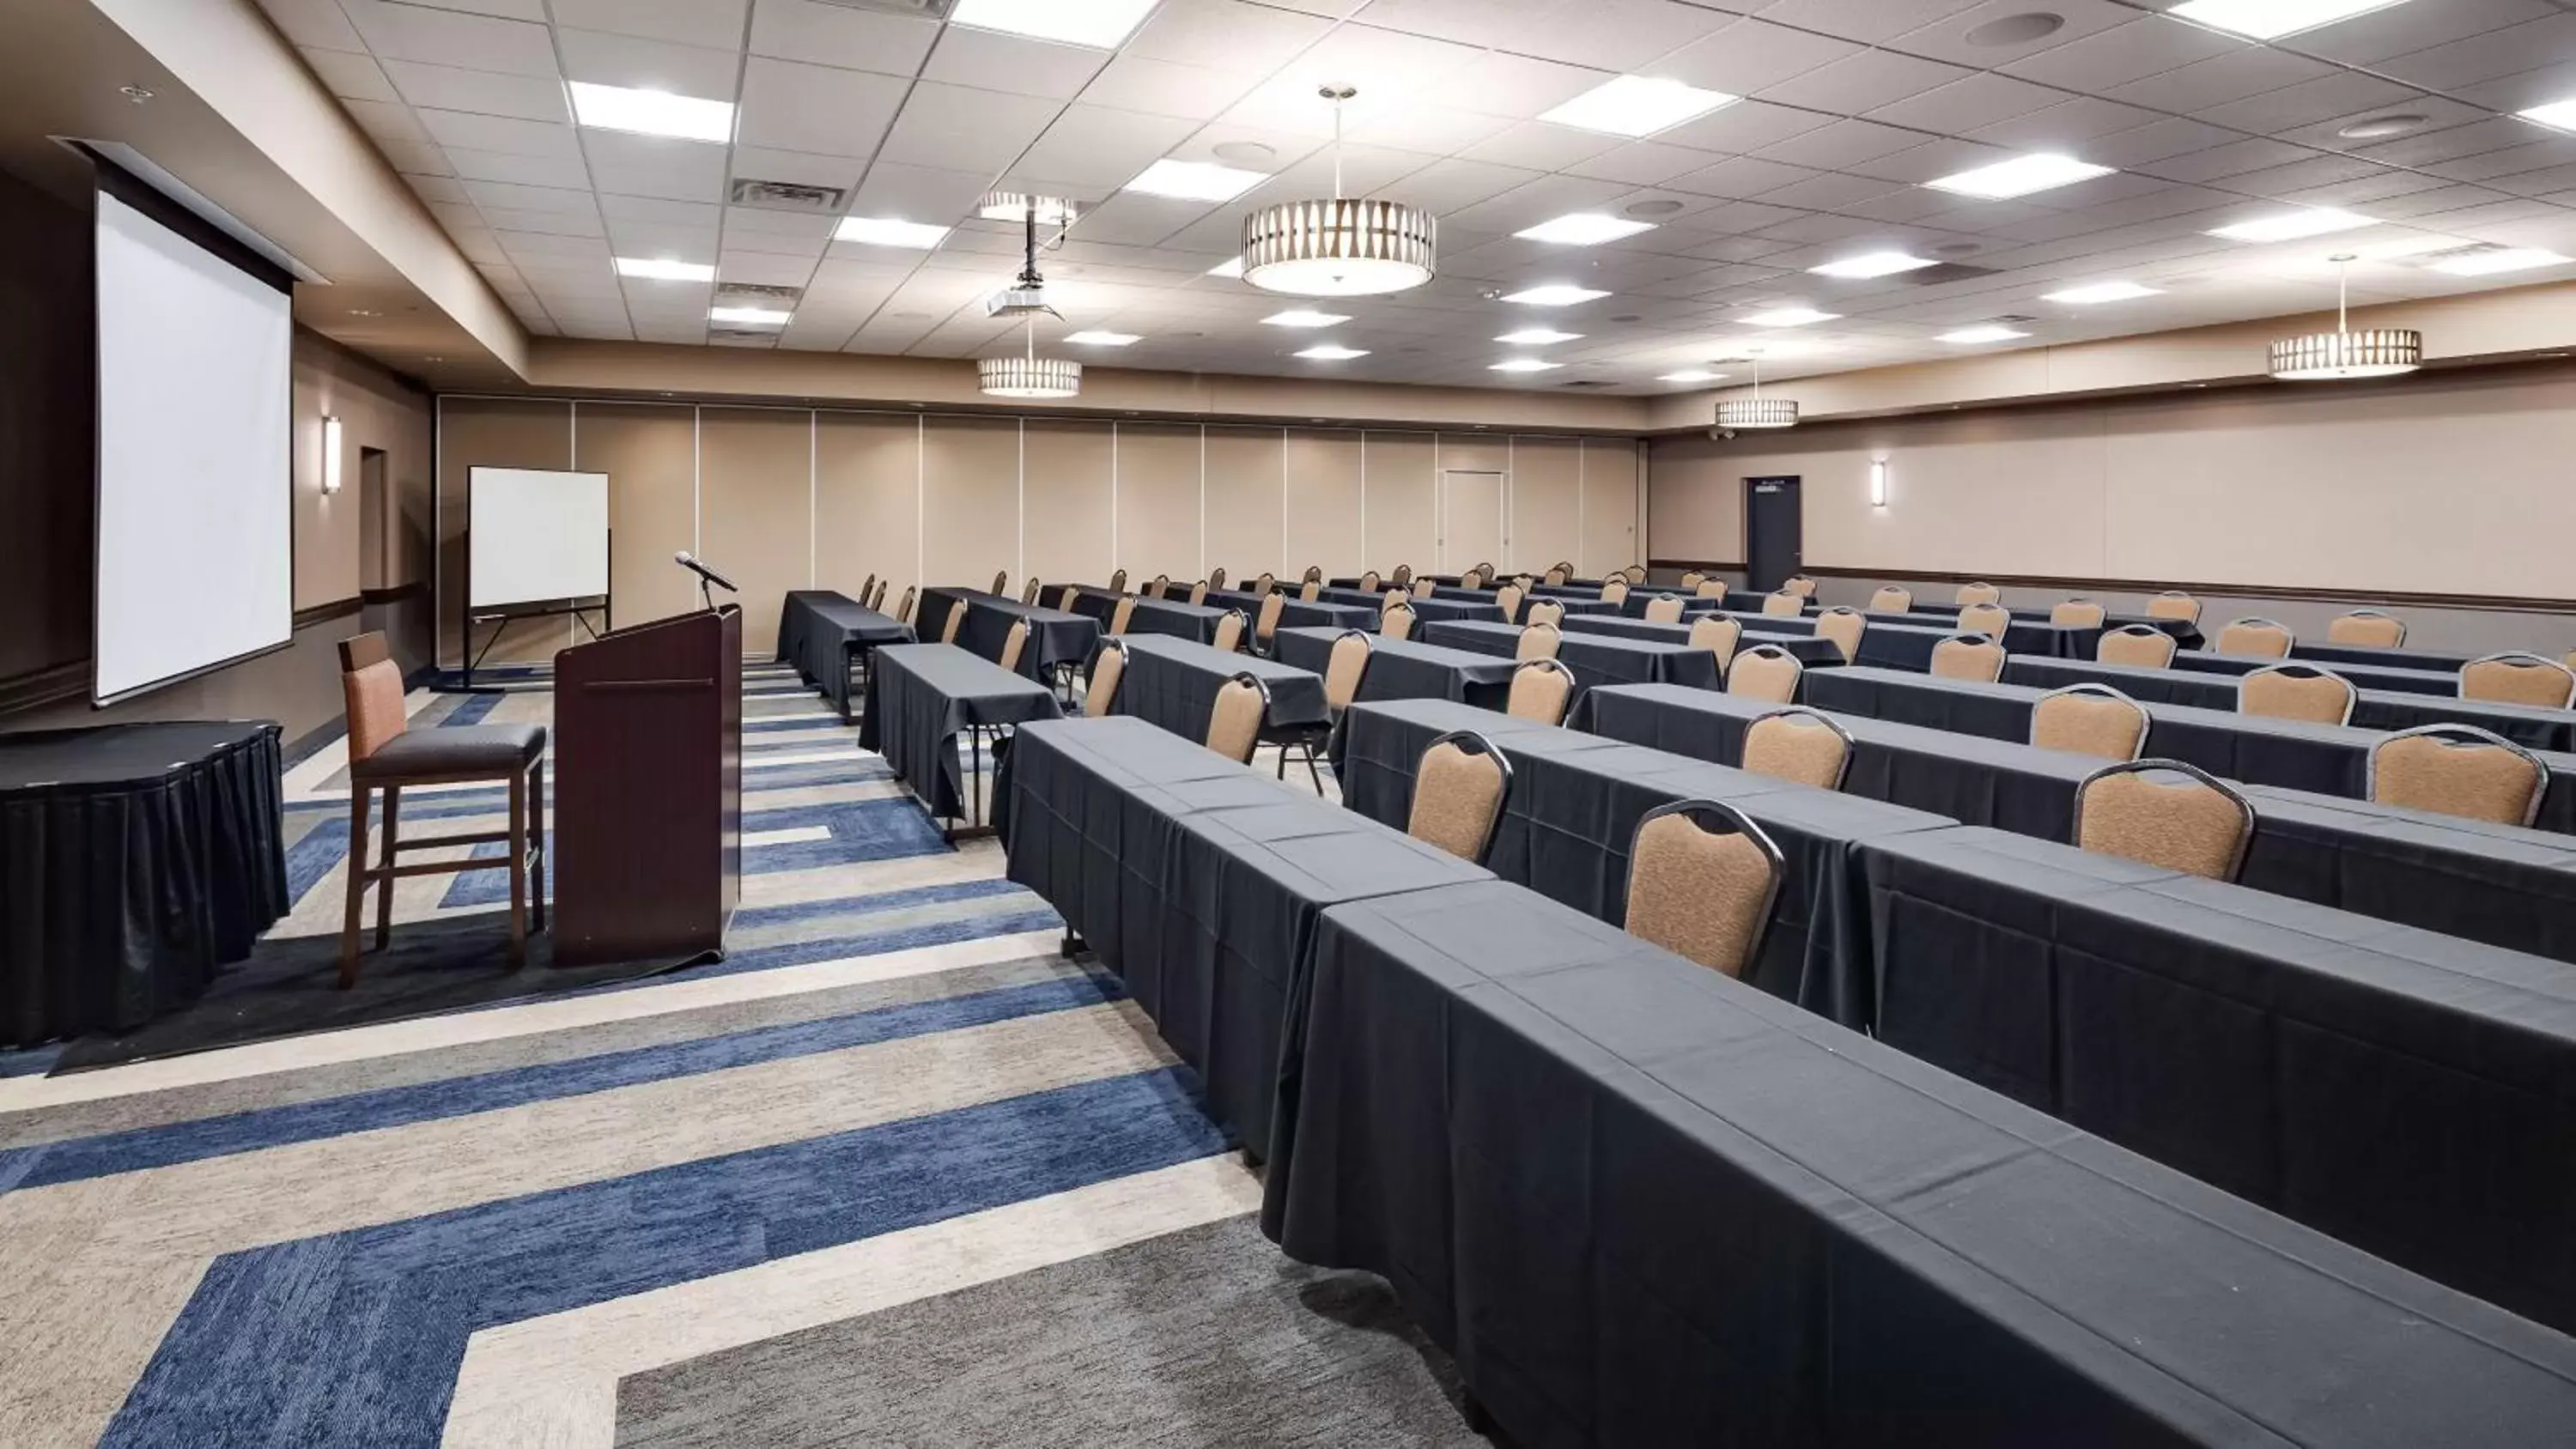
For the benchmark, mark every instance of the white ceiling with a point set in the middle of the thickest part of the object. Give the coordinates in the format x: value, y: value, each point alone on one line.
x: 1850, y: 104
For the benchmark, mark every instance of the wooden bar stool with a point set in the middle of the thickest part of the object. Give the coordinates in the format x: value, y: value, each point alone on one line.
x: 384, y: 753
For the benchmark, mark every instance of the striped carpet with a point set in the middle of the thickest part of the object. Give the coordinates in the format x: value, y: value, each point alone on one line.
x: 478, y: 1227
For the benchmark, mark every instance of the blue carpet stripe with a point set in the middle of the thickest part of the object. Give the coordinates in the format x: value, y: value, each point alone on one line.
x: 862, y: 831
x: 79, y: 1158
x: 472, y: 710
x: 355, y: 1337
x: 836, y: 948
x: 762, y: 918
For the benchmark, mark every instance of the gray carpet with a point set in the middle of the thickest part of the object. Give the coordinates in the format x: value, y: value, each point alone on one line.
x: 1201, y: 1337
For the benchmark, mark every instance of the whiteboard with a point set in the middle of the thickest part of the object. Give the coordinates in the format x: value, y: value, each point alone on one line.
x: 534, y: 536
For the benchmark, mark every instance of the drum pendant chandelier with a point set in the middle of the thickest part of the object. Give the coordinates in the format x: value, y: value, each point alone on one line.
x: 1027, y: 375
x: 1758, y: 411
x: 2344, y: 353
x: 1338, y: 248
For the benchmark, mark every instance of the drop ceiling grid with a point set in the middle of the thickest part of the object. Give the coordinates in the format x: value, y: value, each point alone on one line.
x: 1850, y: 105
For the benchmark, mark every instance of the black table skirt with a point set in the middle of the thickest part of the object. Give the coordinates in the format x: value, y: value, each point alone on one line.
x: 921, y: 695
x: 1642, y: 1205
x: 1596, y: 660
x: 2373, y: 709
x: 136, y: 861
x: 1172, y: 684
x: 821, y: 632
x: 2363, y: 676
x: 2437, y: 661
x: 1408, y: 668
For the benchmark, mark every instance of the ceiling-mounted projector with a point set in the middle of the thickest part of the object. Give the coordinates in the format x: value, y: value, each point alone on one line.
x: 1020, y: 301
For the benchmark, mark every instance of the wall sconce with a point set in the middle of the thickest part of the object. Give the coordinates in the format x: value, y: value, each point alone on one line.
x: 1878, y: 482
x: 330, y: 455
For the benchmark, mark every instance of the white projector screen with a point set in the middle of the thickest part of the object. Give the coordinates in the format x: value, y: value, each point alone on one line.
x: 534, y: 537
x: 196, y: 559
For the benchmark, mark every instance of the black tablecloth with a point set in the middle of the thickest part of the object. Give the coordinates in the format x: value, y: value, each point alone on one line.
x: 1596, y: 659
x: 1173, y: 617
x: 2374, y: 709
x: 1643, y: 1205
x: 1199, y: 888
x: 1424, y: 610
x: 2185, y: 632
x: 1882, y: 646
x: 1172, y: 683
x: 2410, y: 1093
x: 1055, y: 636
x: 921, y: 695
x: 1296, y: 613
x: 820, y: 631
x: 2363, y: 676
x: 930, y: 616
x: 1408, y: 668
x: 2022, y: 636
x: 136, y: 860
x: 1573, y: 810
x: 1804, y: 646
x: 2436, y: 661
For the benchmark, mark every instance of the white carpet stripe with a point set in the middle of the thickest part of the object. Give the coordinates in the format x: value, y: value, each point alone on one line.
x: 800, y: 835
x: 552, y: 1381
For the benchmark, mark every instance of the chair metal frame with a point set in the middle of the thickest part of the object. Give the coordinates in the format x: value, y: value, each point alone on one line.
x: 2372, y: 614
x: 2189, y: 598
x: 1971, y: 636
x: 1551, y: 665
x: 2289, y: 635
x: 1118, y: 582
x: 2351, y: 695
x: 2140, y: 766
x: 2134, y: 631
x: 1850, y: 746
x: 2095, y: 690
x: 1741, y: 824
x: 1475, y: 744
x: 1797, y: 681
x: 2539, y: 766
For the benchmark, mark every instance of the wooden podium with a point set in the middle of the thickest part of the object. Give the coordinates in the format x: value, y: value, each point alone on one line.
x: 648, y: 799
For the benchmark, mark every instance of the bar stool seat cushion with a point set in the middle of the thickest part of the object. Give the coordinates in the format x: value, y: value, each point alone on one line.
x: 500, y: 749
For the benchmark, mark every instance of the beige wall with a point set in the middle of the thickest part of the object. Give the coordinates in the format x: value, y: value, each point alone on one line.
x: 790, y: 498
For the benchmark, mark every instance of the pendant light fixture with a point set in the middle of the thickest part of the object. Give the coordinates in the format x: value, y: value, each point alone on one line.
x: 1027, y: 375
x: 1338, y: 248
x: 1757, y: 411
x: 2344, y: 353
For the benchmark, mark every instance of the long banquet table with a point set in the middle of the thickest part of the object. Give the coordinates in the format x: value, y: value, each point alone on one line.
x: 1595, y: 659
x: 2443, y: 682
x: 1172, y: 683
x: 1056, y: 638
x: 1171, y: 617
x: 1296, y: 613
x: 2373, y: 709
x: 1407, y: 668
x: 1805, y: 647
x: 2185, y: 632
x: 1424, y: 610
x: 921, y: 695
x: 2022, y: 636
x: 822, y: 632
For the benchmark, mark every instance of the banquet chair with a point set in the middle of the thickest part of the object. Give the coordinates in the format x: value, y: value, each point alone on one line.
x: 1781, y: 604
x: 1396, y: 622
x: 1424, y: 588
x: 1557, y: 575
x: 1118, y: 582
x: 2456, y: 769
x: 1614, y: 591
x: 1702, y: 880
x: 866, y: 586
x: 2519, y: 678
x: 1029, y: 594
x: 1538, y: 641
x: 1719, y: 635
x: 1160, y: 587
x: 1310, y: 591
x: 876, y: 600
x: 1458, y: 794
x: 1664, y: 609
x: 1067, y: 597
x: 1546, y: 611
x: 1977, y: 593
x: 1508, y: 599
x: 1542, y: 690
x: 1798, y: 745
x: 2090, y: 719
x: 1992, y: 619
x: 2297, y: 691
x: 1234, y: 722
x: 1015, y: 642
x: 2174, y: 604
x: 1634, y: 573
x: 1891, y: 600
x: 1122, y: 616
x: 1216, y: 578
x: 1262, y: 585
x: 956, y: 619
x: 1402, y: 577
x: 1693, y: 578
x: 1799, y: 584
x: 1968, y: 656
x: 2138, y: 810
x: 1392, y: 597
x: 1710, y: 589
x: 1344, y: 669
x: 386, y: 754
x: 2263, y: 638
x: 1265, y: 626
x: 903, y: 613
x: 2368, y: 627
x: 1001, y: 582
x: 1198, y: 594
x: 1314, y: 574
x: 1108, y: 666
x: 1369, y: 582
x: 2142, y: 645
x: 1229, y: 632
x: 2077, y: 614
x: 1845, y: 627
x: 1765, y: 671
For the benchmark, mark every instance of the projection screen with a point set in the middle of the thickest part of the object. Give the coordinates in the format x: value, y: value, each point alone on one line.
x: 195, y: 481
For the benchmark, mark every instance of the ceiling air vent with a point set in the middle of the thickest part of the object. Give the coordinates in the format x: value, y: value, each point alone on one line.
x: 755, y: 294
x: 743, y: 336
x: 2455, y: 254
x: 789, y: 196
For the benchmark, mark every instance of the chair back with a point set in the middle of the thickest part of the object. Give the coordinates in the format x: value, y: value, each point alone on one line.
x: 2174, y: 604
x: 1545, y: 611
x: 2368, y: 627
x: 2296, y: 691
x: 1702, y: 880
x: 1693, y: 578
x: 1992, y: 619
x: 1977, y: 593
x: 1424, y: 588
x: 1799, y: 745
x: 1198, y: 594
x: 1015, y: 641
x: 1799, y: 584
x: 1891, y: 600
x: 1765, y: 671
x: 1717, y: 634
x: 1458, y: 794
x: 867, y: 586
x: 2263, y: 638
x: 1001, y: 581
x: 1844, y: 627
x: 1396, y: 622
x: 1542, y: 689
x: 956, y: 619
x: 1344, y: 668
x: 1234, y: 722
x: 2164, y: 813
x: 877, y: 599
x: 903, y: 613
x: 2090, y: 719
x: 2519, y: 678
x: 1262, y: 585
x: 1555, y: 578
x: 1123, y: 616
x: 1664, y: 609
x: 1108, y: 666
x: 1229, y: 631
x: 2142, y: 645
x: 1161, y: 587
x: 1266, y: 627
x: 1402, y: 576
x: 1067, y: 597
x: 371, y: 685
x: 2077, y: 614
x: 1508, y: 599
x: 1118, y: 582
x: 1968, y: 656
x: 1314, y: 574
x: 1392, y: 597
x: 1216, y: 578
x: 1029, y: 591
x: 1310, y: 591
x: 1709, y: 589
x: 2456, y: 769
x: 1614, y: 591
x: 1369, y: 582
x: 1538, y: 641
x: 1784, y: 605
x: 1634, y: 573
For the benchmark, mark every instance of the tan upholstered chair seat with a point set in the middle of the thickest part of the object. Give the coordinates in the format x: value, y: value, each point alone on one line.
x: 1455, y: 796
x: 1804, y: 749
x: 2191, y: 826
x: 1697, y: 893
x: 2472, y: 780
x: 428, y: 753
x: 2089, y: 724
x: 2137, y: 645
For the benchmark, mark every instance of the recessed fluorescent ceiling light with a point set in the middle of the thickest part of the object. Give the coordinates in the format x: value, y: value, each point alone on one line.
x: 748, y: 316
x: 1300, y: 317
x: 1103, y: 23
x: 1196, y: 180
x: 1232, y: 268
x: 1327, y: 352
x: 1537, y: 337
x: 2101, y: 292
x: 1525, y: 364
x: 1790, y: 317
x: 1991, y: 332
x: 2558, y: 114
x: 2020, y: 176
x: 663, y: 269
x: 2292, y: 225
x: 2271, y: 19
x: 651, y: 113
x: 1554, y: 296
x: 1636, y: 105
x: 1874, y: 264
x: 1690, y: 374
x: 2516, y: 259
x: 1583, y: 229
x: 1102, y: 339
x: 886, y: 231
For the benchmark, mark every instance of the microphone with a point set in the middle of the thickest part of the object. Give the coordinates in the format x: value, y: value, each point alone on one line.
x: 689, y: 561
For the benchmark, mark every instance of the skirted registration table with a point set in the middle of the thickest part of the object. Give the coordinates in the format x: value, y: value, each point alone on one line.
x: 136, y: 861
x: 920, y: 697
